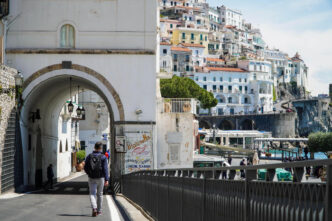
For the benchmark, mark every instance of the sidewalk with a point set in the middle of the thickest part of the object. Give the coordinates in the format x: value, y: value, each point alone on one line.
x: 68, y: 200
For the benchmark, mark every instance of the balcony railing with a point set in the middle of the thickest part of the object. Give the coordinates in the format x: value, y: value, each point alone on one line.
x: 179, y: 105
x: 219, y: 194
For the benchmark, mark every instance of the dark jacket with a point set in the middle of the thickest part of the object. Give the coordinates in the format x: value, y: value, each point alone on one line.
x: 103, y: 162
x: 50, y: 173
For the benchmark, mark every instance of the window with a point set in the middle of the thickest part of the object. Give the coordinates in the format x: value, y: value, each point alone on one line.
x: 214, y: 87
x: 187, y: 58
x: 187, y: 68
x: 205, y: 38
x: 230, y: 100
x: 240, y: 79
x: 164, y: 51
x: 220, y: 78
x: 245, y: 80
x: 255, y: 76
x: 196, y: 79
x: 175, y: 68
x: 196, y: 52
x: 230, y: 79
x: 183, y: 35
x: 204, y: 78
x: 246, y: 100
x: 171, y: 25
x: 230, y: 89
x: 240, y: 88
x: 217, y: 47
x: 221, y: 88
x: 67, y: 36
x: 205, y: 87
x: 175, y: 56
x: 214, y: 78
x: 246, y: 88
x: 164, y: 64
x: 201, y: 37
x: 192, y: 36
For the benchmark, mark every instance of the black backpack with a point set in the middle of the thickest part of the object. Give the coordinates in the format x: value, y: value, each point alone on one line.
x: 95, y: 169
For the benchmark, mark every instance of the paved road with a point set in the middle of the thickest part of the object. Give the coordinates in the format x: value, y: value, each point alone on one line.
x: 69, y: 201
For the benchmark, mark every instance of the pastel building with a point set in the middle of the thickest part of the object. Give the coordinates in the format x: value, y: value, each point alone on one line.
x: 191, y: 36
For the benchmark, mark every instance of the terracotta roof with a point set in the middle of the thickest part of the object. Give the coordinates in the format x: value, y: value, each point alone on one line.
x: 226, y: 69
x: 174, y: 48
x: 229, y: 26
x: 165, y: 43
x: 193, y: 45
x: 169, y: 20
x: 186, y: 7
x: 215, y: 59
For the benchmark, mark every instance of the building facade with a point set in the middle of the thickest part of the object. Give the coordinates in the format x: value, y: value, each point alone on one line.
x: 109, y: 47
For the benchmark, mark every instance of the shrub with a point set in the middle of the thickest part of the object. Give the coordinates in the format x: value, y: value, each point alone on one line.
x: 320, y: 142
x: 80, y: 155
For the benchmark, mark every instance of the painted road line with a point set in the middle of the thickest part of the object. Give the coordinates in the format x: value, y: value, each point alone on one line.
x: 115, y: 216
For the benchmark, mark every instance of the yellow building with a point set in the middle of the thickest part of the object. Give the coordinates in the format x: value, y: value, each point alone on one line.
x: 191, y: 36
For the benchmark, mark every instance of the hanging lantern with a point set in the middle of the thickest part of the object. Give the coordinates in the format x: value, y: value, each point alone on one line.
x: 79, y: 111
x: 83, y: 111
x: 70, y: 107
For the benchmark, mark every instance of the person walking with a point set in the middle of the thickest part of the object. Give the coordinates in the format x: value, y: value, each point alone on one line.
x: 224, y: 172
x: 242, y: 163
x: 50, y: 175
x: 230, y: 159
x: 97, y: 169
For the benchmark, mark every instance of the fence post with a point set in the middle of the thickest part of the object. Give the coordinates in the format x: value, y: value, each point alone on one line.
x: 328, y: 193
x: 250, y: 175
x: 203, y: 196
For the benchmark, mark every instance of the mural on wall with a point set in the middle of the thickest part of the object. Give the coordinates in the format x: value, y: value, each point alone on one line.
x: 139, y: 152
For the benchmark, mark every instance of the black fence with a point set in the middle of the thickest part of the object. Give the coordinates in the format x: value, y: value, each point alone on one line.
x: 203, y: 194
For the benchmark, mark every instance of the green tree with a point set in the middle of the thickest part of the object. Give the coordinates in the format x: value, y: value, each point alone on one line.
x: 320, y: 142
x: 179, y: 87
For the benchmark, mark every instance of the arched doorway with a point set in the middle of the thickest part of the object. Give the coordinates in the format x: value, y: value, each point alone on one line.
x: 247, y: 124
x: 226, y: 125
x: 48, y: 93
x: 204, y: 124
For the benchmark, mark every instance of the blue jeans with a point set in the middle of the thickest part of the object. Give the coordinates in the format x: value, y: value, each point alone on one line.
x: 96, y: 187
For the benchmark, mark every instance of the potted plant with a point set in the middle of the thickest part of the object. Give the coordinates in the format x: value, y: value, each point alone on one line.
x: 80, y: 155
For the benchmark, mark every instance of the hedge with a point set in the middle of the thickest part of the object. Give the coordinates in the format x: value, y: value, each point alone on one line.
x: 320, y: 142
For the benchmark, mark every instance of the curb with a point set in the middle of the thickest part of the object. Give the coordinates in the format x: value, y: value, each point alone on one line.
x: 144, y: 213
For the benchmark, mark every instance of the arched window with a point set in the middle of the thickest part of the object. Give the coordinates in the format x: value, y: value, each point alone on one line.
x: 60, y: 148
x: 67, y: 36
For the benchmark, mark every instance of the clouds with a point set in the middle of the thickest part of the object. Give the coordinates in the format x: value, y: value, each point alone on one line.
x: 297, y: 25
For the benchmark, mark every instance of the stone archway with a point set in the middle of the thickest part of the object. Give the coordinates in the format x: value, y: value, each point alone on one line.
x: 69, y: 65
x: 247, y: 124
x: 204, y: 124
x: 226, y: 125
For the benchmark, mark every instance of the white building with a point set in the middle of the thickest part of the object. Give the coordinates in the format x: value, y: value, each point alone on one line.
x: 109, y: 47
x: 299, y: 71
x: 231, y: 17
x: 94, y: 127
x: 281, y: 68
x: 166, y: 60
x: 198, y: 57
x: 261, y: 83
x: 231, y: 87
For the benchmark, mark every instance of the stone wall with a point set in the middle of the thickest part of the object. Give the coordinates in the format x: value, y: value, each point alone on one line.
x: 7, y: 104
x: 281, y: 125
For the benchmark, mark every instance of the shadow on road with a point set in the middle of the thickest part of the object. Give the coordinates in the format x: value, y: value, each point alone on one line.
x: 73, y: 215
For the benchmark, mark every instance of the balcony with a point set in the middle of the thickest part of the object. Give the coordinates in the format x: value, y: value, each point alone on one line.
x: 179, y: 105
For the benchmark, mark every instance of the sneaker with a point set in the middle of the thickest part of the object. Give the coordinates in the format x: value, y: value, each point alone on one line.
x: 99, y: 213
x: 94, y: 213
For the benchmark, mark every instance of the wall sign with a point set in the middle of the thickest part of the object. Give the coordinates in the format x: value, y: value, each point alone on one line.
x: 139, y: 152
x: 120, y: 144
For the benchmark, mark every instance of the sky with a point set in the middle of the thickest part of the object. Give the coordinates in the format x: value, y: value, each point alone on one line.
x: 303, y: 26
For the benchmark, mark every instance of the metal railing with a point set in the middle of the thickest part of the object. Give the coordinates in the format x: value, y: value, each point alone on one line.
x: 180, y: 105
x: 203, y: 194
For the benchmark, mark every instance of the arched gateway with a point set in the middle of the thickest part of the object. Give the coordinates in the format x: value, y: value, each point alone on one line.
x: 47, y: 90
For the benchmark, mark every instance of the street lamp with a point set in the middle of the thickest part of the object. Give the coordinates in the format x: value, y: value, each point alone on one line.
x: 78, y: 111
x: 214, y: 133
x: 19, y: 79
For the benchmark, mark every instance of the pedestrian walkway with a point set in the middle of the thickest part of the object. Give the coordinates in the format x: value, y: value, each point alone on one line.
x: 68, y: 201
